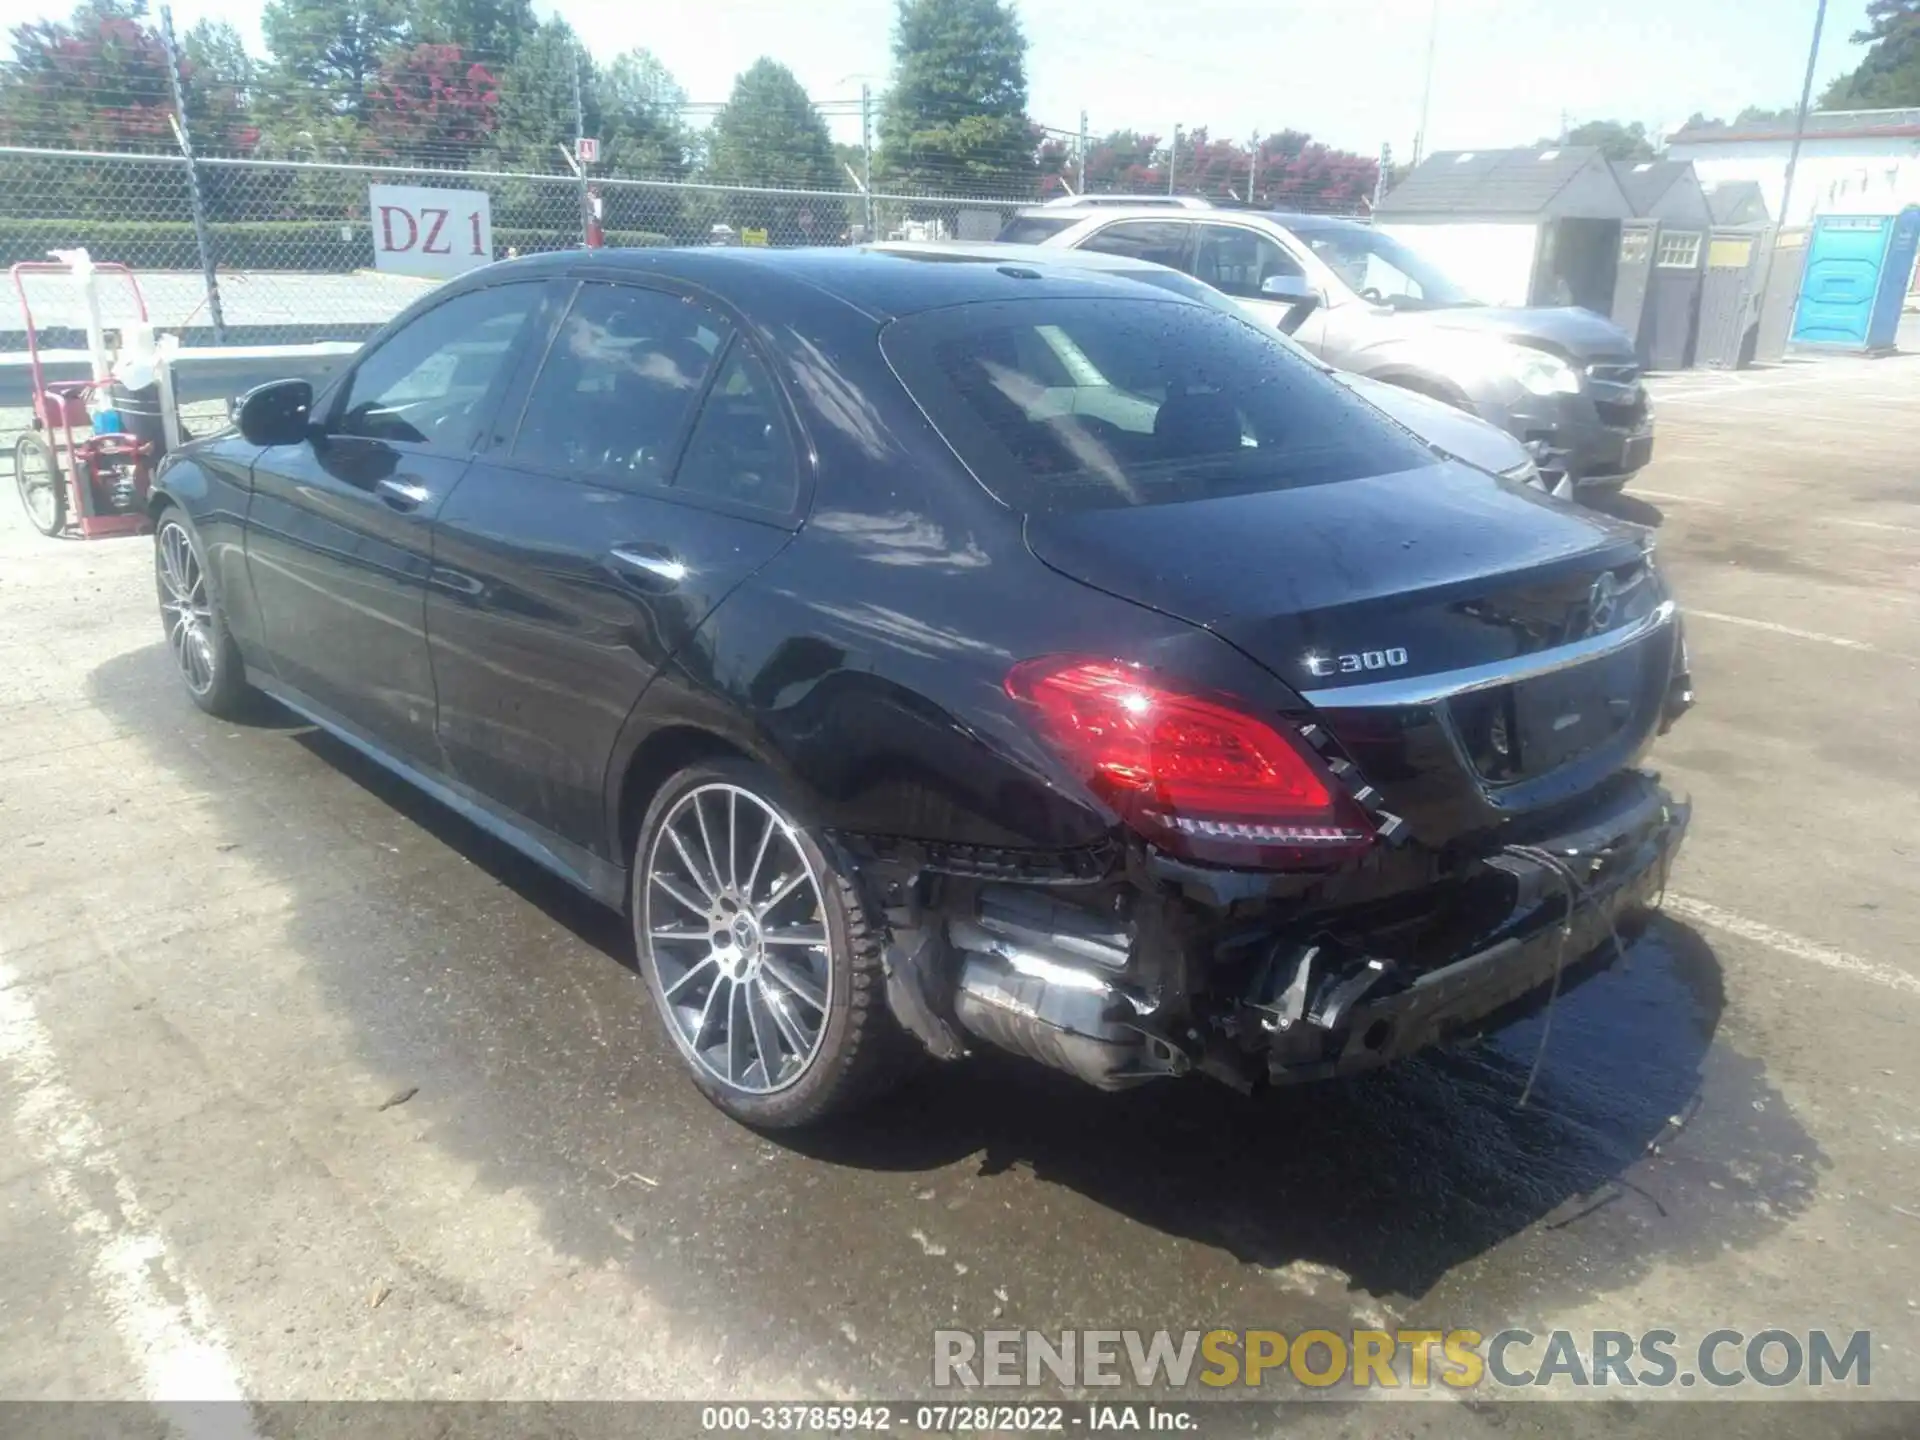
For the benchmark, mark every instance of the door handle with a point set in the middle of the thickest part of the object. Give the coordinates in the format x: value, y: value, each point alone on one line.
x: 655, y: 564
x: 402, y: 494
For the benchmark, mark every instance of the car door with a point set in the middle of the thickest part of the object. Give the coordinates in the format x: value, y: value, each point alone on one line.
x: 653, y: 468
x: 1164, y: 242
x: 1237, y: 259
x: 339, y: 529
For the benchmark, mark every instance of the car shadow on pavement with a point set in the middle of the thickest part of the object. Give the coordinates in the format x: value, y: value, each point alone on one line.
x: 1648, y: 1138
x: 1398, y: 1177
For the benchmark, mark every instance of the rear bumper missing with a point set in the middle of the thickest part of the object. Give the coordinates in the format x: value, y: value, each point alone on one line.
x: 1510, y: 971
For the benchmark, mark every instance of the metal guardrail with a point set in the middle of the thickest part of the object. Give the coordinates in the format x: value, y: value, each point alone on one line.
x: 200, y: 374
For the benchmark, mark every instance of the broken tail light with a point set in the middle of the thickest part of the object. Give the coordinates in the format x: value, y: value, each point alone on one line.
x: 1192, y: 773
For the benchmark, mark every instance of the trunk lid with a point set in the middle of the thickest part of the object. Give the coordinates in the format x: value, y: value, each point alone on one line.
x: 1348, y: 591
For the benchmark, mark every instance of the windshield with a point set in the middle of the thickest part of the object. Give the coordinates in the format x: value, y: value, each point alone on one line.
x: 1379, y: 268
x: 1081, y: 404
x: 1162, y: 278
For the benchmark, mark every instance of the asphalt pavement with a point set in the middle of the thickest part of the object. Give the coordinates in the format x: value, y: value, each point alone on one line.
x: 308, y: 1090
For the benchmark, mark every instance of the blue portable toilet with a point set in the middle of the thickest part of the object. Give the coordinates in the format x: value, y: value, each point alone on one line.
x: 1855, y: 280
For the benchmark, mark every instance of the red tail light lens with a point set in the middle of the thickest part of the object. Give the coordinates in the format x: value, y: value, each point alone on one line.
x: 1195, y: 775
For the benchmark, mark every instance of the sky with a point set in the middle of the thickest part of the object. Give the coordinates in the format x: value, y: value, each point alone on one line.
x: 1349, y: 71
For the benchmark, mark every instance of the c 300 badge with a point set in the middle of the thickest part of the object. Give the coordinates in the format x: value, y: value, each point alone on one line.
x: 1353, y: 662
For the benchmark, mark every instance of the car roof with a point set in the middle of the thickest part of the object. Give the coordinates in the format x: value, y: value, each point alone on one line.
x: 1005, y: 252
x: 1161, y: 202
x: 881, y: 281
x: 1287, y: 219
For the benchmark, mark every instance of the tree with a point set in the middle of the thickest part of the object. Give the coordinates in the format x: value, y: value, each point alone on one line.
x: 536, y: 100
x: 1059, y: 167
x: 1206, y: 166
x: 217, y: 78
x: 1125, y: 162
x: 847, y: 157
x: 490, y: 32
x: 430, y: 103
x: 1888, y: 76
x: 1751, y: 115
x: 956, y: 117
x: 1616, y: 141
x: 327, y: 53
x: 1297, y: 172
x: 770, y: 134
x: 95, y: 81
x: 639, y: 104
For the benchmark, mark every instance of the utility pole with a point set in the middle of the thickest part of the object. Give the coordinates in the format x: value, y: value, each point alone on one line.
x: 1380, y: 177
x: 1793, y: 160
x: 580, y: 129
x: 1173, y: 158
x: 203, y: 239
x: 1253, y: 165
x: 1083, y: 152
x: 1800, y: 116
x: 866, y: 155
x: 1426, y: 90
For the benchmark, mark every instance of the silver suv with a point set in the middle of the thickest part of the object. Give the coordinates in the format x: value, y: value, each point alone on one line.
x: 1565, y: 382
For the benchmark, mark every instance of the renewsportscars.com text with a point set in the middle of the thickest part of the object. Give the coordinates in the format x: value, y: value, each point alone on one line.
x: 1402, y: 1359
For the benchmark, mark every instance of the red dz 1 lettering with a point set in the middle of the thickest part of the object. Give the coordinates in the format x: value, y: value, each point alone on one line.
x: 387, y: 214
x: 439, y: 217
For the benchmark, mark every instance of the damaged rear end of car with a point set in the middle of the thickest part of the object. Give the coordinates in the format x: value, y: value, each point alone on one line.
x: 1403, y: 799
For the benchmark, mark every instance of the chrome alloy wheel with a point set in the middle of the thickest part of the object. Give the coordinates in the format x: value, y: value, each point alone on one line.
x: 735, y: 931
x: 185, y: 608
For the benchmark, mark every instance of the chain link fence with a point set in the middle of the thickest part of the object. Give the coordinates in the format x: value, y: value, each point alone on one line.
x: 289, y: 245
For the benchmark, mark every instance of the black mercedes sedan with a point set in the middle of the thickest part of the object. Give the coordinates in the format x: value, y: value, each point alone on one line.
x: 927, y: 652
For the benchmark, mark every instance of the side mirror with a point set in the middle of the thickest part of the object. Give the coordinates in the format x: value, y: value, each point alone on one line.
x: 1291, y: 288
x: 279, y: 413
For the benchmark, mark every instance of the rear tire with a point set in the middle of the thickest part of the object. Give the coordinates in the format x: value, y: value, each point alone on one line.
x: 763, y: 963
x: 43, y: 489
x: 196, y: 626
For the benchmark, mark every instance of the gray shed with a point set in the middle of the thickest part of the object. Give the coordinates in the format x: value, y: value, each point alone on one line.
x: 1656, y: 296
x: 1738, y: 204
x: 1516, y: 227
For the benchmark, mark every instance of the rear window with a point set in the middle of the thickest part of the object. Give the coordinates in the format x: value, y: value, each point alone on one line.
x: 1032, y: 229
x: 1079, y: 404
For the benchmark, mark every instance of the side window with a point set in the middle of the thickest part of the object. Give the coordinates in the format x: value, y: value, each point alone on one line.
x: 428, y: 384
x: 1162, y: 241
x: 615, y: 392
x: 1234, y: 260
x: 740, y: 449
x: 1679, y: 250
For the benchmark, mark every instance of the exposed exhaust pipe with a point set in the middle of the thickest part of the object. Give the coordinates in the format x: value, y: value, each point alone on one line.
x: 1046, y: 991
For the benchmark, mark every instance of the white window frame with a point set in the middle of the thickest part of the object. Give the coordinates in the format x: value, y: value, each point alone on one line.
x: 1666, y: 259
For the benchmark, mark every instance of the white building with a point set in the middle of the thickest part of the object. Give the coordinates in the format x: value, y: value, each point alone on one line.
x: 1851, y: 161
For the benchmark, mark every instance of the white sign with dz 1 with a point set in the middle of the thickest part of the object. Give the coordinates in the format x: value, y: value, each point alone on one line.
x: 429, y: 232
